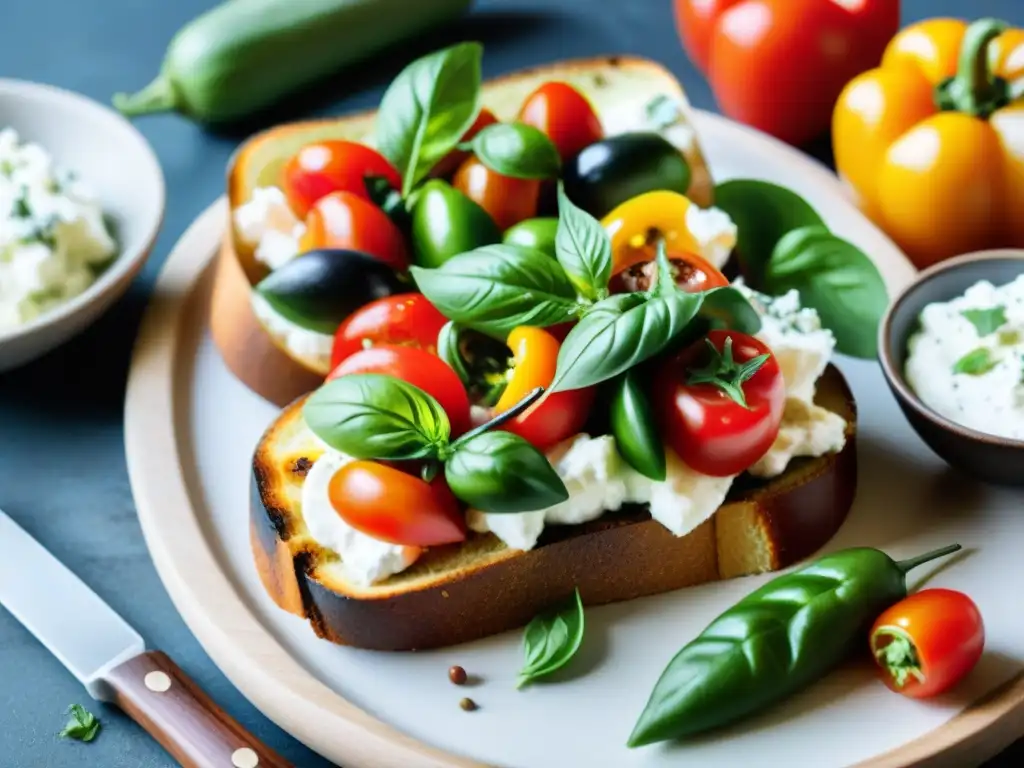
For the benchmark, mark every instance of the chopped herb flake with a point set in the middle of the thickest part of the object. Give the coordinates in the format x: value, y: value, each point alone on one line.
x: 6, y: 167
x: 82, y: 725
x: 21, y: 208
x: 975, y: 362
x: 986, y: 321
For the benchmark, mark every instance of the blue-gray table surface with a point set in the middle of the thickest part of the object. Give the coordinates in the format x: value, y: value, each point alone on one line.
x: 62, y: 465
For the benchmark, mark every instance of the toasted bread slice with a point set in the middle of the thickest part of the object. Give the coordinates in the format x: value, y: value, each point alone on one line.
x: 462, y: 592
x: 620, y: 88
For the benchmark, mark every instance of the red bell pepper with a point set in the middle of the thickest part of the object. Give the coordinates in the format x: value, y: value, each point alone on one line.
x: 779, y: 65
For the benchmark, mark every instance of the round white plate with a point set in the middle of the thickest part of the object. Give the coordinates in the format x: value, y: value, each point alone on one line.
x: 190, y: 432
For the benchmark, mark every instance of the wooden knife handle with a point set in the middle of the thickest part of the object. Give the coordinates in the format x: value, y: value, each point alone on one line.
x: 157, y: 695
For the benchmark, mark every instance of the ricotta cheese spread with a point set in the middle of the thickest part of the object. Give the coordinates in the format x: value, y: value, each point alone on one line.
x: 966, y: 361
x: 53, y: 239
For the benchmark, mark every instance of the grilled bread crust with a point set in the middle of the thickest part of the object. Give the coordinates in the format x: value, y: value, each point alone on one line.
x: 462, y: 592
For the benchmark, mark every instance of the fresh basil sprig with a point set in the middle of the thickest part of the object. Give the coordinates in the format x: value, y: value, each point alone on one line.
x: 551, y: 640
x: 82, y: 724
x: 582, y: 248
x: 623, y: 330
x: 835, y: 278
x: 517, y: 150
x: 498, y: 287
x: 427, y: 109
x: 375, y: 416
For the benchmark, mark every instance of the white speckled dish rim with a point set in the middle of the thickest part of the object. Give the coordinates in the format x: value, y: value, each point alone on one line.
x: 245, y: 637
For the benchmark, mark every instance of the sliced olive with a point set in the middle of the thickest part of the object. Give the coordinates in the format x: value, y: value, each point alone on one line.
x: 611, y: 171
x: 538, y: 234
x: 318, y: 289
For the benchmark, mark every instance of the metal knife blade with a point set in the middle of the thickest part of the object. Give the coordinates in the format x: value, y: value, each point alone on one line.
x: 72, y: 621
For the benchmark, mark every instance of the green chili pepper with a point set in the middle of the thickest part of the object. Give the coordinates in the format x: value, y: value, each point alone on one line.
x: 774, y: 642
x: 632, y: 424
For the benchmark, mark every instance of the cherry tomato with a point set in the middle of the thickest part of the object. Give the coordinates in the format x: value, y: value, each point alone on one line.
x: 391, y: 505
x: 333, y: 165
x: 421, y: 369
x: 555, y: 416
x: 692, y: 273
x: 928, y: 642
x: 345, y: 220
x: 406, y: 319
x: 636, y: 226
x: 456, y: 157
x: 564, y: 114
x: 507, y: 200
x: 712, y: 431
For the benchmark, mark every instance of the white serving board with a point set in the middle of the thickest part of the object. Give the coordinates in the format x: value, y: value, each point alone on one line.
x: 182, y: 398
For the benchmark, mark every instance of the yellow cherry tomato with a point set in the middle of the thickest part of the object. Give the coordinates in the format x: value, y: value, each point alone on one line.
x: 636, y: 226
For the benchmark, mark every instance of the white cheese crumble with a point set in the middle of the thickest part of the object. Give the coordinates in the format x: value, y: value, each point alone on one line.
x: 364, y: 559
x: 267, y: 224
x: 311, y: 347
x: 714, y: 231
x: 987, y: 394
x: 53, y: 239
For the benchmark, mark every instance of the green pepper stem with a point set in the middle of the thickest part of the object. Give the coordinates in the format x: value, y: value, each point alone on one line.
x: 906, y: 565
x: 974, y: 89
x: 158, y: 96
x: 500, y: 419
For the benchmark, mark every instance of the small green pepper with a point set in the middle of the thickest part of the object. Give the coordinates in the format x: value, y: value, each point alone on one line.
x: 538, y: 234
x: 775, y: 641
x: 633, y: 426
x: 446, y: 223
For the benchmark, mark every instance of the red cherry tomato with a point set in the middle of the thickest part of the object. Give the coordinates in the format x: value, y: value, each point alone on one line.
x: 928, y: 642
x: 406, y: 319
x: 421, y: 369
x: 323, y: 167
x: 555, y: 416
x: 456, y: 157
x: 345, y: 220
x: 391, y: 505
x: 711, y: 431
x: 507, y: 200
x: 565, y: 115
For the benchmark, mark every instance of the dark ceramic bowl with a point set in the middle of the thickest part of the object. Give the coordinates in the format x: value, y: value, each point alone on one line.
x: 987, y: 457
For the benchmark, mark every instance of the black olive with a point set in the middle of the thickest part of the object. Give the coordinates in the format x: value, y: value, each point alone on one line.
x: 318, y: 289
x: 609, y: 172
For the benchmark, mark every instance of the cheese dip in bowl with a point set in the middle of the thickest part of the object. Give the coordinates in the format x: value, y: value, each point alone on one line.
x: 81, y: 202
x: 952, y: 350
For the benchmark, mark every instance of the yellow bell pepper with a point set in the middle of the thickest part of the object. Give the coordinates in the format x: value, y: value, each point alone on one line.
x: 932, y: 141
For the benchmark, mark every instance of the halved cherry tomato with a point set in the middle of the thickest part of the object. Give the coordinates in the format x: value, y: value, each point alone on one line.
x: 927, y: 642
x: 506, y: 199
x: 636, y: 226
x: 692, y: 273
x: 719, y: 410
x: 406, y: 319
x: 333, y: 165
x: 556, y: 415
x: 393, y: 506
x: 456, y: 157
x: 564, y: 114
x: 345, y: 220
x: 421, y: 369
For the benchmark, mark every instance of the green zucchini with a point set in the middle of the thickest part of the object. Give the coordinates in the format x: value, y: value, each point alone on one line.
x: 244, y: 55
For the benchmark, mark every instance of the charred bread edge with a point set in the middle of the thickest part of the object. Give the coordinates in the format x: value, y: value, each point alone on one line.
x: 613, y: 559
x: 249, y: 351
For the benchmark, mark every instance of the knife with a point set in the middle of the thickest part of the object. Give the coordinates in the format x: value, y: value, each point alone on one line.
x: 110, y: 659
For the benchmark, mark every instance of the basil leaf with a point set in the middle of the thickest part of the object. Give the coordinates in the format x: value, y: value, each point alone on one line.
x: 427, y: 109
x: 837, y: 280
x: 498, y: 287
x: 620, y: 332
x: 582, y: 248
x: 763, y: 212
x: 375, y: 416
x: 726, y: 307
x: 82, y: 724
x: 499, y: 472
x: 975, y: 362
x: 517, y: 150
x: 986, y: 321
x: 551, y: 640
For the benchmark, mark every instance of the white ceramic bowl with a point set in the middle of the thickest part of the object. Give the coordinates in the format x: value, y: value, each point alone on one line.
x: 113, y: 158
